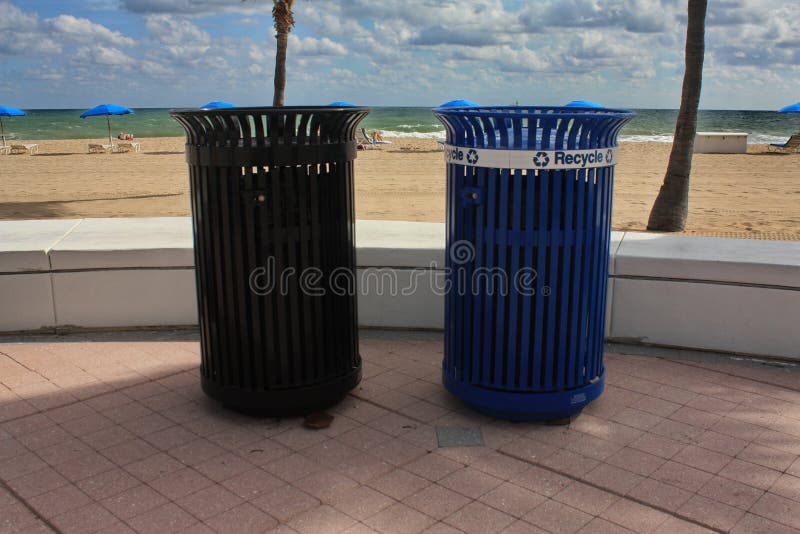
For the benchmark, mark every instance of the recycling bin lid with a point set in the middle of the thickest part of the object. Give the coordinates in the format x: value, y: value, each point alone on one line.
x: 543, y: 137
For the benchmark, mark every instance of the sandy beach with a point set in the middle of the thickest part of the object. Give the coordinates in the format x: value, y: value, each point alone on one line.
x: 753, y: 195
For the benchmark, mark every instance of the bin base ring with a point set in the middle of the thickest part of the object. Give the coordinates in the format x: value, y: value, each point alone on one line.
x: 288, y: 402
x: 526, y: 405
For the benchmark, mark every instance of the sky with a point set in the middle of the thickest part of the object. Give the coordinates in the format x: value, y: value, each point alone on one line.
x: 183, y: 53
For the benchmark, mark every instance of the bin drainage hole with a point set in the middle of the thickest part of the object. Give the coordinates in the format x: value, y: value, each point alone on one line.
x: 459, y: 437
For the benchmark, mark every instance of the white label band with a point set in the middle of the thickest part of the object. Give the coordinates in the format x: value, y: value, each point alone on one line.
x: 531, y: 159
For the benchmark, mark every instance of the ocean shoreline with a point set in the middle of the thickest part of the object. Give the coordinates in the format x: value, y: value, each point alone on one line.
x: 749, y: 195
x: 396, y: 123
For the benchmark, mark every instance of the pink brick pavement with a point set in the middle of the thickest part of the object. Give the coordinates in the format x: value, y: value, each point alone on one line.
x: 111, y: 433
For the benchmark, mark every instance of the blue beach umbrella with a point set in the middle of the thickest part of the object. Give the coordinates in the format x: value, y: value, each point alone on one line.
x: 342, y: 104
x: 6, y: 111
x: 218, y: 104
x: 583, y: 104
x: 791, y: 108
x: 107, y: 110
x: 459, y: 104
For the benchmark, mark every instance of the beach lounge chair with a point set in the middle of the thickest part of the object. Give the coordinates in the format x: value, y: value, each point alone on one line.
x: 792, y: 145
x: 372, y: 143
x: 25, y: 149
x: 95, y: 148
x: 129, y: 145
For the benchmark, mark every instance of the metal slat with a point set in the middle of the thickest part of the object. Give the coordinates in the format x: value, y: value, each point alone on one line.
x: 565, y: 342
x: 489, y: 311
x: 539, y: 354
x: 514, y: 298
x: 551, y: 351
x: 500, y: 299
x: 479, y: 306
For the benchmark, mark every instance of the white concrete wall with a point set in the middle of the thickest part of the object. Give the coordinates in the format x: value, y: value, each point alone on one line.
x: 720, y: 143
x: 705, y: 293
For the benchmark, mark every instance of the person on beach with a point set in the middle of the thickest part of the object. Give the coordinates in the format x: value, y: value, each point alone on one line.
x: 376, y: 136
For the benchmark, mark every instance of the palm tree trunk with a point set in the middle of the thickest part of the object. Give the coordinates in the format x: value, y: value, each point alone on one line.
x: 284, y: 20
x: 671, y: 207
x: 280, y: 69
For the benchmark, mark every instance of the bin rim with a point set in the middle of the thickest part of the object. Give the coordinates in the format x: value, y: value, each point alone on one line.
x: 256, y: 110
x: 525, y: 112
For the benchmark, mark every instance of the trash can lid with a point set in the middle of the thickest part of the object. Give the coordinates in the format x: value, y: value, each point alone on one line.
x: 459, y: 104
x: 218, y: 104
x: 583, y: 104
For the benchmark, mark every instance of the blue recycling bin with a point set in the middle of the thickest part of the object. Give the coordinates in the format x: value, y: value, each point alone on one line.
x: 528, y: 227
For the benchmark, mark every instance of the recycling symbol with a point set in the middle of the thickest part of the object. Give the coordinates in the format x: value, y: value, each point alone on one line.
x: 541, y: 159
x: 609, y: 156
x: 472, y: 156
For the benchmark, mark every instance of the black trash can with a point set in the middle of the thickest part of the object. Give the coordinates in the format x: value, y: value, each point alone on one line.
x: 273, y: 219
x: 528, y: 224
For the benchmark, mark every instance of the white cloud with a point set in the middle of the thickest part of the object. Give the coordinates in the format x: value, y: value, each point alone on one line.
x: 25, y: 34
x: 197, y: 7
x: 104, y: 56
x: 86, y: 31
x: 311, y: 46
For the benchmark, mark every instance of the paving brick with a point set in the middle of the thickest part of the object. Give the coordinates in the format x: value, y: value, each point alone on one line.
x: 754, y: 524
x: 787, y: 486
x: 634, y: 516
x: 37, y: 482
x: 59, y: 500
x: 767, y: 456
x: 16, y: 517
x: 682, y: 476
x: 731, y: 492
x: 107, y: 484
x: 223, y: 467
x: 601, y: 526
x: 613, y: 478
x: 777, y: 508
x: 398, y: 484
x: 252, y: 482
x: 557, y: 517
x: 163, y: 519
x: 658, y: 445
x: 479, y: 518
x: 361, y: 502
x: 400, y: 519
x: 437, y: 501
x: 325, y: 484
x: 285, y: 503
x: 90, y: 518
x: 470, y: 482
x: 711, y: 513
x: 133, y: 502
x: 514, y: 500
x: 664, y: 496
x: 586, y: 498
x: 129, y: 452
x: 721, y: 443
x: 636, y: 461
x: 570, y: 463
x: 180, y: 483
x: 433, y: 466
x: 750, y: 474
x: 243, y: 519
x: 209, y: 502
x: 541, y: 481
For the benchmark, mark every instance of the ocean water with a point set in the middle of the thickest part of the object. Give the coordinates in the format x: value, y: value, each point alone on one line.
x: 411, y: 122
